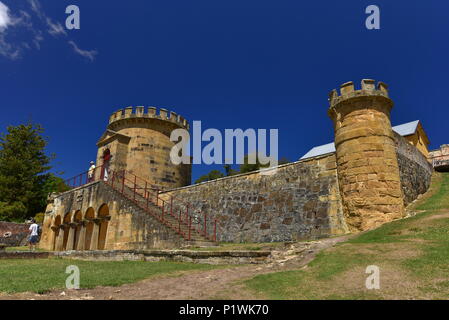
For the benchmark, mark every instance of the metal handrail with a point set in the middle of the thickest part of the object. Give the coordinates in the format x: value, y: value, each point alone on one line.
x: 130, y: 185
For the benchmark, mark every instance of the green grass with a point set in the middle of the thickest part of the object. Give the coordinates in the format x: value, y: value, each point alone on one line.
x: 434, y: 261
x: 439, y: 200
x: 416, y: 249
x: 42, y: 275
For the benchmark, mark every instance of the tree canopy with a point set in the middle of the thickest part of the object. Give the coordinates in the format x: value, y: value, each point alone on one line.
x: 214, y: 174
x: 243, y: 168
x: 24, y: 178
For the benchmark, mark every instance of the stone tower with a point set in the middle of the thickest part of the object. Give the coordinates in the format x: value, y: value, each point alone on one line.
x: 138, y: 140
x: 367, y: 165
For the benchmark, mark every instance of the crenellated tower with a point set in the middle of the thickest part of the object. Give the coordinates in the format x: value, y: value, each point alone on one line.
x: 367, y: 164
x: 138, y: 140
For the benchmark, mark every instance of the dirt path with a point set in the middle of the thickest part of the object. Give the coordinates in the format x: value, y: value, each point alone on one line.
x: 213, y: 284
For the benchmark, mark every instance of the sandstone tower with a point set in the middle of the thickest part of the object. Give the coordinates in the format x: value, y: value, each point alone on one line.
x: 367, y: 164
x: 138, y: 140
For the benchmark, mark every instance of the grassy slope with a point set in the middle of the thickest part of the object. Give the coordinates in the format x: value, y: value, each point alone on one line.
x: 41, y: 275
x: 412, y: 254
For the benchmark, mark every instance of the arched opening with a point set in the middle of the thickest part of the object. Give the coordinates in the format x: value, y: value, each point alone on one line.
x: 77, y: 219
x: 90, y: 214
x: 102, y: 213
x: 106, y: 161
x: 55, y: 229
x: 67, y: 220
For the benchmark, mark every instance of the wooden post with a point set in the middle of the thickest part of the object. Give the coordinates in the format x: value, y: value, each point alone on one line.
x: 190, y: 226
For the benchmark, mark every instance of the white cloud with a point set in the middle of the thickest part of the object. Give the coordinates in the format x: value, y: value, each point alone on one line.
x: 37, y: 29
x: 85, y: 53
x: 36, y: 7
x: 55, y: 28
x: 5, y: 19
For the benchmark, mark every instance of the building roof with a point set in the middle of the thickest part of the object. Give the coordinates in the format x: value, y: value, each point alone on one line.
x: 405, y: 129
x: 317, y: 151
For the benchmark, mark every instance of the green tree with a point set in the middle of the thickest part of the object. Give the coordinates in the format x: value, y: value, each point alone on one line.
x: 245, y: 167
x: 229, y: 171
x: 214, y: 174
x: 24, y: 183
x: 249, y: 167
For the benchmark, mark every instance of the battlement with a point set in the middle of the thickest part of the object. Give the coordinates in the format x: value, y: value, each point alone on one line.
x: 149, y: 113
x: 347, y: 91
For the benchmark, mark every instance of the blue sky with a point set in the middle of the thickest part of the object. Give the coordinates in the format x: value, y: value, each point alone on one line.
x: 231, y: 64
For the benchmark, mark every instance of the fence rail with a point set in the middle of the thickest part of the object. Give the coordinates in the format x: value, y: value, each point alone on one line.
x: 178, y: 215
x: 440, y: 163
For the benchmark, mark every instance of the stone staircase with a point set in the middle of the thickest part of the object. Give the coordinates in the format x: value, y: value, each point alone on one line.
x: 172, y: 214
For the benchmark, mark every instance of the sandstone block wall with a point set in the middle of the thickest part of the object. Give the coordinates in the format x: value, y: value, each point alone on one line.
x: 414, y: 169
x: 139, y: 142
x: 128, y: 226
x: 368, y: 168
x: 299, y: 201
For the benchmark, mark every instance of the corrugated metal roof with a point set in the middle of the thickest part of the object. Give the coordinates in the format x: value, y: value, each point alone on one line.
x: 318, y: 151
x: 405, y: 129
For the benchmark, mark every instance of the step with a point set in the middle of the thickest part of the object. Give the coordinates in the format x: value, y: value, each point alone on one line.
x: 172, y: 222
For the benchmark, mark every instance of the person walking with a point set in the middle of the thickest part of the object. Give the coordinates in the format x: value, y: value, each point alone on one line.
x: 34, y: 235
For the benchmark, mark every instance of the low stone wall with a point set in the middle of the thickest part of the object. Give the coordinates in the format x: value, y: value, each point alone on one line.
x: 101, y: 255
x: 13, y: 234
x: 415, y: 171
x: 296, y: 201
x: 24, y: 255
x: 206, y: 257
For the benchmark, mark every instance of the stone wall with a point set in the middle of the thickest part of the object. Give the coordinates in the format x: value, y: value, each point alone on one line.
x: 414, y: 169
x: 128, y: 226
x: 297, y: 201
x: 368, y: 170
x: 206, y: 257
x: 13, y: 234
x: 139, y: 142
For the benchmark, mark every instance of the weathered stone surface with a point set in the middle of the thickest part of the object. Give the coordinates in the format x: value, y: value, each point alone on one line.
x: 206, y: 257
x: 366, y: 183
x: 140, y: 143
x: 13, y: 234
x: 298, y: 201
x: 113, y: 222
x: 368, y: 170
x: 415, y: 170
x: 24, y: 255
